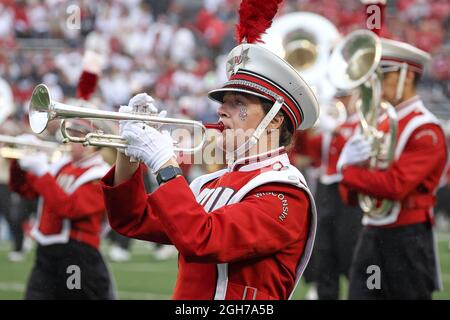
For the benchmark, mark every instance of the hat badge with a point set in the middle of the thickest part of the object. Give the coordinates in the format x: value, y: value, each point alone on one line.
x: 237, y: 62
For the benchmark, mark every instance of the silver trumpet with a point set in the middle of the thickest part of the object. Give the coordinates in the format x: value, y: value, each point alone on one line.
x: 43, y: 109
x: 16, y: 148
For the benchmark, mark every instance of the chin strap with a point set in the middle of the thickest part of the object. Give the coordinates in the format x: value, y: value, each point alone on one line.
x: 253, y: 140
x: 401, y: 81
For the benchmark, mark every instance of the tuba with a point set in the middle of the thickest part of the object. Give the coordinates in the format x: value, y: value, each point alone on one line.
x: 356, y: 61
x: 305, y: 40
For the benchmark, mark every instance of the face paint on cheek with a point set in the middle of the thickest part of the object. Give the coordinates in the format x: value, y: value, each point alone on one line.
x: 243, y: 113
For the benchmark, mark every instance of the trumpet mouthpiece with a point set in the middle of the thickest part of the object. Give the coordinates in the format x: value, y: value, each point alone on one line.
x: 216, y: 126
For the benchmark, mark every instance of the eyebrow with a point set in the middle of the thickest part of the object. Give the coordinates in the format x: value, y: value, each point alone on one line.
x: 234, y: 95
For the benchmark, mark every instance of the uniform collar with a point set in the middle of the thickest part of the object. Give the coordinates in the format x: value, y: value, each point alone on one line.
x: 272, y: 157
x: 407, y: 106
x: 354, y: 117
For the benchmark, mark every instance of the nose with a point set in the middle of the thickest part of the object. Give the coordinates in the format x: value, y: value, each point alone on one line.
x: 222, y: 113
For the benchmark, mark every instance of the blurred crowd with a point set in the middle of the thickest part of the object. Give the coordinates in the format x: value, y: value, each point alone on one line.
x: 174, y: 49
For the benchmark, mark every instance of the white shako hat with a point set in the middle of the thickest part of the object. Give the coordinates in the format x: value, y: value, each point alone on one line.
x: 395, y: 53
x: 255, y: 70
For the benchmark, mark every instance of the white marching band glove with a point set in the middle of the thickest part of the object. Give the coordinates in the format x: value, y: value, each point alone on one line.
x: 144, y: 104
x: 36, y: 163
x: 147, y: 144
x: 356, y: 150
x: 28, y: 138
x: 140, y: 103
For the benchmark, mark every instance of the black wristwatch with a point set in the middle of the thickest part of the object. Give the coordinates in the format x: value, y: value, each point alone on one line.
x: 167, y: 174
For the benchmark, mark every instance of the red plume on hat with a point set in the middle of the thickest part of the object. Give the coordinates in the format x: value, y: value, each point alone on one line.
x: 92, y: 66
x: 93, y: 63
x: 253, y: 69
x: 255, y: 17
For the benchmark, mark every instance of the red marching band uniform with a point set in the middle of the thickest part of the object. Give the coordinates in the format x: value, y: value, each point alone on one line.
x: 401, y: 242
x: 70, y: 215
x: 413, y: 178
x: 325, y: 148
x: 230, y: 227
x: 69, y: 207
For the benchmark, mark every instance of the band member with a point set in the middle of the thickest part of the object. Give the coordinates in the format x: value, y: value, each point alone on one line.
x: 338, y: 224
x: 70, y: 215
x: 244, y: 232
x: 398, y: 249
x: 71, y: 212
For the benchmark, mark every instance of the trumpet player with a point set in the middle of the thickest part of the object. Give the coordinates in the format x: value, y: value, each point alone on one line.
x: 395, y: 256
x: 70, y: 216
x: 245, y: 232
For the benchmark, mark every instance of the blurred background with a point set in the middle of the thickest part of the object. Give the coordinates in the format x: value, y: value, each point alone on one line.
x: 174, y: 50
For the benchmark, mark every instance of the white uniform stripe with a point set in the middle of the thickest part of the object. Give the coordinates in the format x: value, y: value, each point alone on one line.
x: 202, y: 195
x: 208, y: 195
x: 222, y: 281
x: 211, y: 200
x: 224, y: 198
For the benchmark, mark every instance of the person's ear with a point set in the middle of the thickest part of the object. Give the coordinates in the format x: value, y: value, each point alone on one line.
x: 276, y: 122
x: 410, y: 76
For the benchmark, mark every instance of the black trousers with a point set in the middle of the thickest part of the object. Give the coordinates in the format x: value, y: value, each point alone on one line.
x: 53, y: 272
x: 5, y: 202
x: 15, y: 210
x: 338, y: 227
x: 21, y: 210
x: 406, y: 260
x: 120, y: 240
x: 443, y: 201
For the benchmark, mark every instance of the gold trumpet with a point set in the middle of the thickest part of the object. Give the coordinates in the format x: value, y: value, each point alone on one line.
x: 16, y: 148
x: 43, y: 109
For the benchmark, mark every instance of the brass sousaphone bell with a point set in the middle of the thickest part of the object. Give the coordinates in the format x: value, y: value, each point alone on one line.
x: 305, y: 40
x: 356, y: 60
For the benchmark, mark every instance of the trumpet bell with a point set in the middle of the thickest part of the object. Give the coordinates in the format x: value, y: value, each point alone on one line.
x: 355, y: 59
x: 39, y: 108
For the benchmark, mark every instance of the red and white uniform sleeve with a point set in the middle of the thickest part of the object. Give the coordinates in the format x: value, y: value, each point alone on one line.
x: 424, y: 152
x: 83, y: 202
x: 127, y: 208
x: 20, y: 181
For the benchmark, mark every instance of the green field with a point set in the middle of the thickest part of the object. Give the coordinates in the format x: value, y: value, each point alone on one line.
x: 145, y: 278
